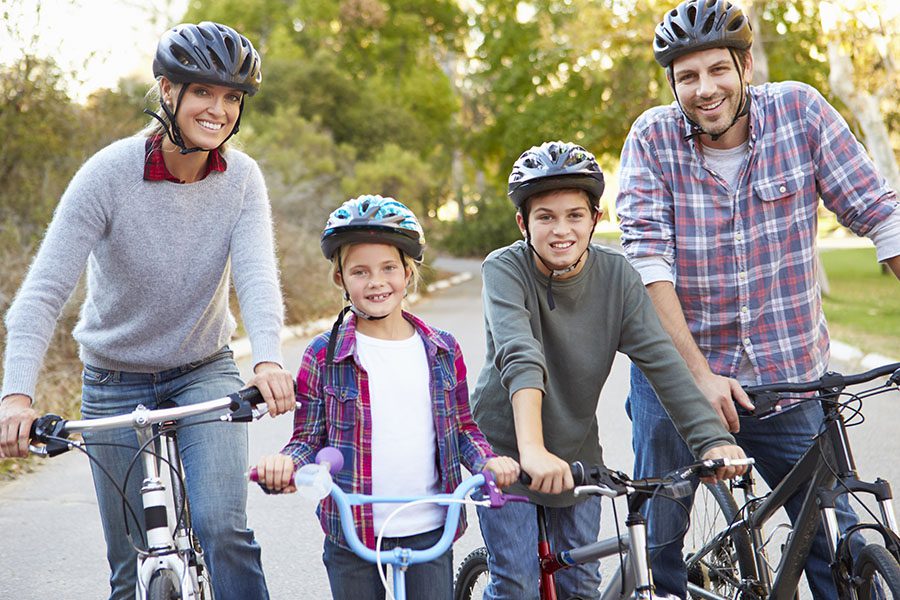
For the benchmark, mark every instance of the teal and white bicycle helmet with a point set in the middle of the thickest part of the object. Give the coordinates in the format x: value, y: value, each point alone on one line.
x: 374, y: 219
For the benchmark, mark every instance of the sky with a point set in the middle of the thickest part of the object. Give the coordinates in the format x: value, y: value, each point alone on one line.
x: 100, y: 40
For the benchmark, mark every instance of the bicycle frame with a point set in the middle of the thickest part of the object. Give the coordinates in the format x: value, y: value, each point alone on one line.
x: 620, y: 585
x: 167, y: 547
x: 828, y: 460
x: 814, y: 474
x: 401, y: 558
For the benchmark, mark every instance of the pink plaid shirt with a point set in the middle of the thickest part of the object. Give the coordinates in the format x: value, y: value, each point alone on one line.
x: 335, y: 411
x: 744, y: 259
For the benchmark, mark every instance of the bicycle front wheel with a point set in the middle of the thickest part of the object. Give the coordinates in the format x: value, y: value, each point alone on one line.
x: 472, y: 577
x: 877, y: 573
x: 164, y: 585
x: 716, y: 564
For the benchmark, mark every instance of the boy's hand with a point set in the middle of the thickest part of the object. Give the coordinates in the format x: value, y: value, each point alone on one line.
x: 549, y: 473
x: 505, y: 470
x: 728, y: 451
x: 276, y: 472
x: 16, y: 417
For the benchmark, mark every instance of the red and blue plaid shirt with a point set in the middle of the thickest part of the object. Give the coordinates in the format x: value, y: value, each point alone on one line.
x: 155, y: 167
x: 744, y: 259
x: 335, y: 411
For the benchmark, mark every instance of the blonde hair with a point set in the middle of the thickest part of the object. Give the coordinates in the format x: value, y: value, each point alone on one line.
x: 154, y: 128
x: 408, y: 263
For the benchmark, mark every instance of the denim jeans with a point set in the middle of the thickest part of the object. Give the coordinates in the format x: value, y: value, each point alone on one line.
x: 352, y: 578
x: 215, y: 461
x: 776, y: 443
x: 511, y: 536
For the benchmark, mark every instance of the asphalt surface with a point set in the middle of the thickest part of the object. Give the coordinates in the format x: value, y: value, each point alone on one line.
x: 52, y: 545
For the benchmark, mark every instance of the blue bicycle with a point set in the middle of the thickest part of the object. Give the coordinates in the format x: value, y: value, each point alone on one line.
x: 316, y: 479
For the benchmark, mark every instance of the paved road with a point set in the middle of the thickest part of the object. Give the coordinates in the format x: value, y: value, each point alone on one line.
x: 51, y: 541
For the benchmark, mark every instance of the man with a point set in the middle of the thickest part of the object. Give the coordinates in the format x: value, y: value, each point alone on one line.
x: 557, y: 309
x: 718, y: 201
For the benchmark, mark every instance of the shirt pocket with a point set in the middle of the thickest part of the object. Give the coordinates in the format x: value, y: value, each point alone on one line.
x: 779, y: 196
x: 341, y: 411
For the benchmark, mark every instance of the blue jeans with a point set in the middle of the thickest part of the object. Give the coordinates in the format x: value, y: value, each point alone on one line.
x: 776, y: 443
x: 215, y: 461
x: 511, y: 535
x: 352, y: 578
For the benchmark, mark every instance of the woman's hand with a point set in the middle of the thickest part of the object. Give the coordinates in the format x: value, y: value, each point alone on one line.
x: 276, y: 386
x: 276, y: 472
x: 505, y: 470
x: 16, y: 417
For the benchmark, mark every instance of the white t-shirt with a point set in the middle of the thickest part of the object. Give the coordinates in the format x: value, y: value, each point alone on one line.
x: 404, y: 445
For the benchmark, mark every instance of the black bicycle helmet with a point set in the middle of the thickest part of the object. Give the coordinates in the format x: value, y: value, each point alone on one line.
x: 373, y: 219
x: 555, y: 165
x: 208, y: 53
x: 700, y: 25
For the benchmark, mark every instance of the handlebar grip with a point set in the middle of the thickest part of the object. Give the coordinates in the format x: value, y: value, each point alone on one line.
x: 577, y: 474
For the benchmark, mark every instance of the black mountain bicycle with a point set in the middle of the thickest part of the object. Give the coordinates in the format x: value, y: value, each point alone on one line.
x: 733, y: 563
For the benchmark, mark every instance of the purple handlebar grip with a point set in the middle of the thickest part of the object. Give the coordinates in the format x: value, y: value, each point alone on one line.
x: 331, y: 456
x: 253, y: 475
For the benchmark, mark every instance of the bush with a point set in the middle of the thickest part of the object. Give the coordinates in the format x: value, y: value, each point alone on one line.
x: 491, y: 227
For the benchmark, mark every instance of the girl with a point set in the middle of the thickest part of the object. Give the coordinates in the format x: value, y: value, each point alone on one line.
x: 163, y: 221
x: 388, y: 391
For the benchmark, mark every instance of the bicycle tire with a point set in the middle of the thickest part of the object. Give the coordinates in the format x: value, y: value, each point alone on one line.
x: 876, y: 573
x: 471, y: 576
x: 164, y: 585
x: 718, y: 567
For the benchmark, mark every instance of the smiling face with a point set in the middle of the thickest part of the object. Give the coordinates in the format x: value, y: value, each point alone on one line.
x: 375, y: 278
x: 708, y: 86
x: 560, y: 225
x: 207, y: 113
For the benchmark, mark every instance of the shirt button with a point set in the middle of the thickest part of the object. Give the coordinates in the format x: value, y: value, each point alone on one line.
x: 739, y: 236
x: 782, y: 189
x: 744, y: 309
x: 742, y: 275
x: 746, y: 341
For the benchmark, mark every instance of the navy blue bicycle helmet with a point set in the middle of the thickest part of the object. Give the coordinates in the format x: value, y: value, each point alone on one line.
x: 700, y: 25
x: 208, y: 53
x: 555, y: 165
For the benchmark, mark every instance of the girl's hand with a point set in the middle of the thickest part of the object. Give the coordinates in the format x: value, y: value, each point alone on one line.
x: 276, y: 386
x: 505, y: 470
x: 276, y: 472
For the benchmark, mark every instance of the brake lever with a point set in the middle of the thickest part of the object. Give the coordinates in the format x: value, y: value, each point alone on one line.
x: 495, y: 495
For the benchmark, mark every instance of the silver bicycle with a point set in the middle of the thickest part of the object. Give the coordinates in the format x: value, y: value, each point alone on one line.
x: 171, y: 566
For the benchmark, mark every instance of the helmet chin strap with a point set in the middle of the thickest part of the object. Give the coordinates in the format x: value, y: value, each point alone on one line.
x: 174, y: 132
x: 696, y: 129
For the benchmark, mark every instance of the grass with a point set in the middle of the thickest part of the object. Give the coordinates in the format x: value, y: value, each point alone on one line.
x: 863, y: 305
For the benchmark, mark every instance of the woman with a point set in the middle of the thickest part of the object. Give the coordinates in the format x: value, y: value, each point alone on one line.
x: 163, y: 222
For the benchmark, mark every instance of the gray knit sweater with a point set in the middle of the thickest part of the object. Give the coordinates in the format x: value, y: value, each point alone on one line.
x: 159, y: 257
x: 567, y: 353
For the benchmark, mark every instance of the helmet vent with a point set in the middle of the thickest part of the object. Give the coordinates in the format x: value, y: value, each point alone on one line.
x: 229, y: 45
x: 736, y: 24
x: 181, y: 56
x: 708, y: 24
x: 692, y: 12
x: 679, y: 32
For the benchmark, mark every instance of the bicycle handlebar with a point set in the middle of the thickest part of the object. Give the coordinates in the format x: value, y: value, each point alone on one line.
x: 766, y: 397
x: 53, y: 431
x: 599, y: 480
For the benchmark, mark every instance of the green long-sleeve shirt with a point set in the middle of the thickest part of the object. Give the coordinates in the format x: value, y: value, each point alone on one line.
x: 567, y: 353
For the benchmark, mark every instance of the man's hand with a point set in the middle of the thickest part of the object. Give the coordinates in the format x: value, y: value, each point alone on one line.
x: 722, y: 393
x: 276, y: 386
x: 730, y: 451
x: 549, y: 473
x: 16, y: 417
